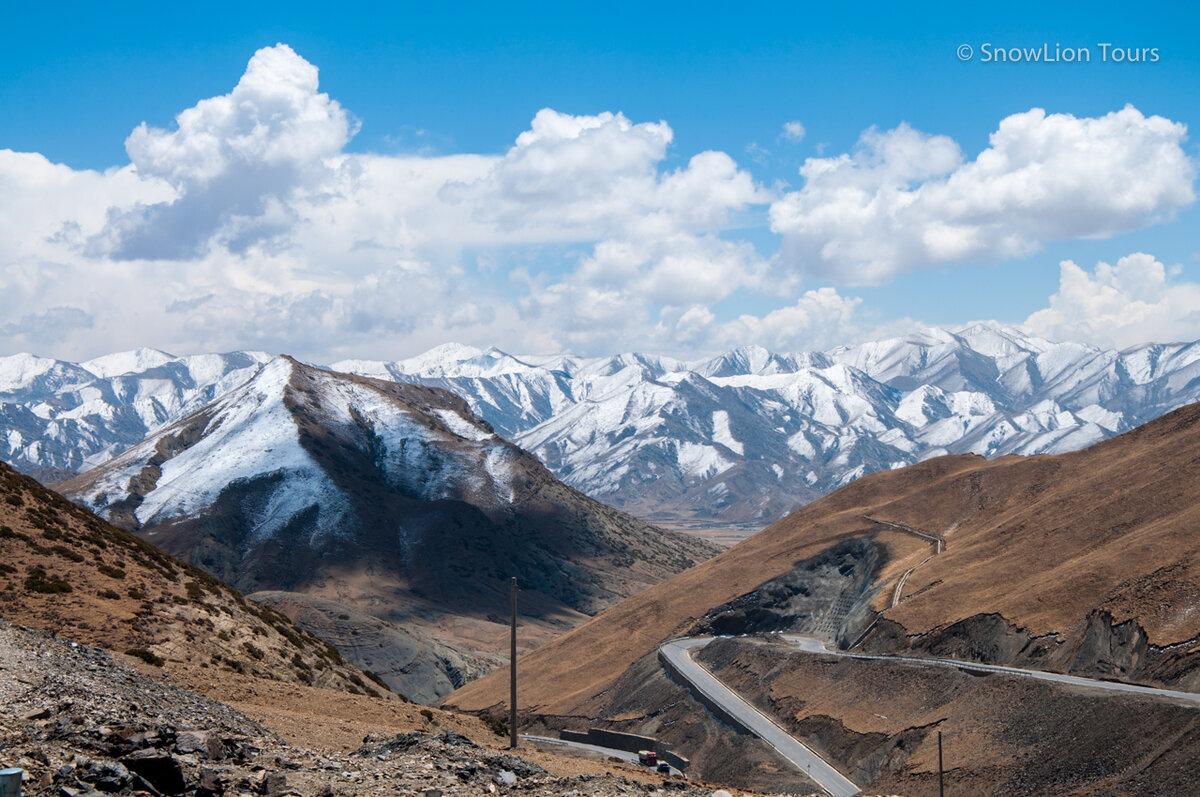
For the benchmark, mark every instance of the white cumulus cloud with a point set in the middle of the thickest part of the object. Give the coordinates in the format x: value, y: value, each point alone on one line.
x: 1135, y: 301
x: 247, y: 223
x: 905, y: 200
x: 235, y: 161
x: 793, y: 131
x: 819, y: 319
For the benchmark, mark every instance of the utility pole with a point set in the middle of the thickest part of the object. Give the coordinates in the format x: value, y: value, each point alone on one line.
x: 941, y: 785
x: 512, y: 669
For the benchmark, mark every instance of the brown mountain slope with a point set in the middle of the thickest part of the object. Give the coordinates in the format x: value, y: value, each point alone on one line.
x: 65, y: 571
x: 1058, y: 547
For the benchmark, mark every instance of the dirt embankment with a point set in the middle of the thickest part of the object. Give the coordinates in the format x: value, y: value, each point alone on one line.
x: 645, y: 701
x: 1099, y: 647
x: 1003, y: 735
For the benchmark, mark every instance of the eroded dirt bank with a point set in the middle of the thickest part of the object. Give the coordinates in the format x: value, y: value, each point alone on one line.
x: 1003, y: 734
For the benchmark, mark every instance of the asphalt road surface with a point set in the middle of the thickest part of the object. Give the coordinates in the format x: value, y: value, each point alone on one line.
x: 678, y: 652
x: 813, y: 645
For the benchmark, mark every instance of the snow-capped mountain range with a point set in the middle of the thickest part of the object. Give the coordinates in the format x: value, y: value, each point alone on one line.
x: 750, y: 435
x: 59, y: 418
x: 743, y: 437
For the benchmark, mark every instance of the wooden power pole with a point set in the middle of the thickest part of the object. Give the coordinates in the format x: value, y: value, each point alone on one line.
x: 512, y: 669
x: 941, y: 785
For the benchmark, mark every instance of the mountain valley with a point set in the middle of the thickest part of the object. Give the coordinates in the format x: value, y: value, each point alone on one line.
x: 987, y: 497
x: 1084, y: 562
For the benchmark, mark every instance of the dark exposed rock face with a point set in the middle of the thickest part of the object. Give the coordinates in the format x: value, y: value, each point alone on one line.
x: 1102, y: 648
x: 827, y: 596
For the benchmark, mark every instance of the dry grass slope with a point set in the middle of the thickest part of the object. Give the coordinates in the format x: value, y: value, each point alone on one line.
x: 1046, y: 542
x: 67, y: 572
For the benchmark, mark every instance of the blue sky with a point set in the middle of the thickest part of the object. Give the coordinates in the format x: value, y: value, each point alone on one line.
x: 431, y: 81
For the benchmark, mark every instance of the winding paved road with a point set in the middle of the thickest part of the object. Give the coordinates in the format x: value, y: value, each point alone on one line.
x: 679, y: 653
x: 939, y: 545
x: 814, y: 645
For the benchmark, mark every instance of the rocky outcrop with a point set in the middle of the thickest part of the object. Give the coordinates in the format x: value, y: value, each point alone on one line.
x: 826, y: 596
x: 1102, y: 648
x: 412, y: 664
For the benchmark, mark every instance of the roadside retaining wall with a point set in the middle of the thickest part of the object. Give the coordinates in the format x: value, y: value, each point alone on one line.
x: 629, y: 742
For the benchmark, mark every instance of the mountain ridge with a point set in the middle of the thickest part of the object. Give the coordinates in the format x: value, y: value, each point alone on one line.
x: 739, y: 438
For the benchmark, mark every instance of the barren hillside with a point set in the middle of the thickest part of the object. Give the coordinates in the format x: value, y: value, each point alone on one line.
x: 1085, y: 562
x: 67, y: 572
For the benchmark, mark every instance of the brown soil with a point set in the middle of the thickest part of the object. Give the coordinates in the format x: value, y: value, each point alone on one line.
x: 718, y: 534
x: 69, y: 573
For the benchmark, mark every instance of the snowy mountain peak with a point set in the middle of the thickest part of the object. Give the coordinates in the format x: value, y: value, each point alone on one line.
x: 743, y: 360
x: 1000, y: 340
x: 127, y: 362
x: 268, y: 437
x: 28, y: 372
x: 438, y: 359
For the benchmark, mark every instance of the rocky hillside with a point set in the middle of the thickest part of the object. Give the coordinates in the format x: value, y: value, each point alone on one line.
x: 79, y: 723
x: 1085, y: 562
x: 380, y: 498
x: 68, y: 572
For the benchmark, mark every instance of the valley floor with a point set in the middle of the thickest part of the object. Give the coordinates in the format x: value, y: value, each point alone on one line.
x: 725, y: 535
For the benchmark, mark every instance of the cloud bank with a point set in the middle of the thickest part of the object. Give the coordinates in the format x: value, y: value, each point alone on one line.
x: 1133, y: 302
x: 905, y: 200
x: 247, y: 223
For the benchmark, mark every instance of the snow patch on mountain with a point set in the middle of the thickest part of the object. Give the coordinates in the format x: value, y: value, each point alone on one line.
x: 722, y: 435
x: 462, y: 427
x: 701, y: 461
